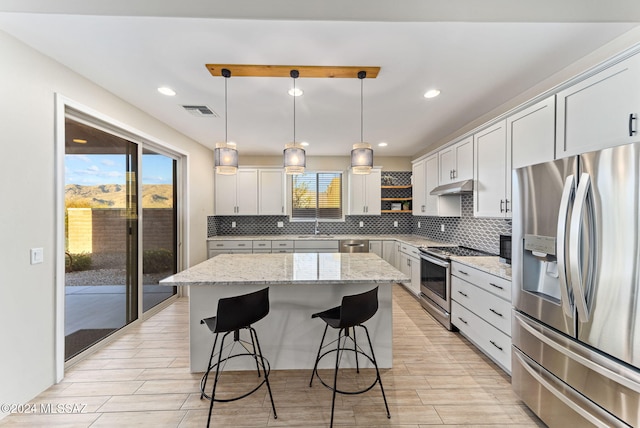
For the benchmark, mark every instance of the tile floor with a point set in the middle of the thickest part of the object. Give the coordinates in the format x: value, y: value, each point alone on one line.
x: 143, y: 379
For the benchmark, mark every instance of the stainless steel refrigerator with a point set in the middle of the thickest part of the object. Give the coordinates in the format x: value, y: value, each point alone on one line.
x: 576, y: 288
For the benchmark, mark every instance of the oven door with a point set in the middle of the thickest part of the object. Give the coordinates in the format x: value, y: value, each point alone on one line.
x: 434, y: 280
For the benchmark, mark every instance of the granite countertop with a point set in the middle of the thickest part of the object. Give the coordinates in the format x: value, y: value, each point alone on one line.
x: 407, y: 239
x: 289, y: 268
x: 489, y: 264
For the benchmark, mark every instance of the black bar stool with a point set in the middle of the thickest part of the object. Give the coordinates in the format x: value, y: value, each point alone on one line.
x: 354, y: 310
x: 235, y: 314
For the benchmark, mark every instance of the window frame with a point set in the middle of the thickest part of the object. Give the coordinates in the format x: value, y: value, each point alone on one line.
x: 343, y: 202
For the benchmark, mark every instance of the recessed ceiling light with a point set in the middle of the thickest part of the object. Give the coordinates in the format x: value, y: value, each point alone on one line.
x: 383, y: 144
x: 165, y: 90
x: 432, y: 93
x: 304, y: 143
x: 79, y: 141
x: 295, y: 92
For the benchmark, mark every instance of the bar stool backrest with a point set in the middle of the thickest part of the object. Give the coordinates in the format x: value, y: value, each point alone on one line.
x: 241, y: 311
x: 358, y: 308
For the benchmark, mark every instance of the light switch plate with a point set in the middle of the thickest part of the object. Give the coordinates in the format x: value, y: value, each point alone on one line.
x: 419, y: 225
x: 37, y: 256
x: 361, y: 223
x: 442, y: 228
x: 395, y: 224
x: 280, y: 224
x: 233, y: 224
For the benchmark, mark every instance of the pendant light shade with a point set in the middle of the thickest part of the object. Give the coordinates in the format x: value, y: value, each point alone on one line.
x: 225, y: 155
x: 295, y: 158
x: 362, y: 154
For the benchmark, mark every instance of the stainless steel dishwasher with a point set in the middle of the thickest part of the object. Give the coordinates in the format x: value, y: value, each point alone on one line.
x: 354, y: 246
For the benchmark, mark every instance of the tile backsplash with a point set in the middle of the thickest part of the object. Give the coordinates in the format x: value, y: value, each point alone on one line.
x: 467, y: 230
x: 481, y: 233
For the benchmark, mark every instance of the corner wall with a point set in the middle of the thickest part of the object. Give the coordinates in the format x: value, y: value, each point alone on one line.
x: 28, y: 84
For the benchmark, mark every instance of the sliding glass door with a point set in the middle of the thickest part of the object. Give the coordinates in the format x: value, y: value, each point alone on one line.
x: 159, y: 226
x: 101, y: 233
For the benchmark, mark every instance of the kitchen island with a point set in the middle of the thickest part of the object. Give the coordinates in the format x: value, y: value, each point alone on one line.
x: 300, y: 284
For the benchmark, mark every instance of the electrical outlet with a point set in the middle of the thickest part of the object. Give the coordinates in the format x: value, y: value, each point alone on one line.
x: 442, y: 228
x: 395, y: 224
x: 361, y: 223
x: 37, y: 255
x: 419, y: 225
x: 280, y: 224
x: 233, y: 224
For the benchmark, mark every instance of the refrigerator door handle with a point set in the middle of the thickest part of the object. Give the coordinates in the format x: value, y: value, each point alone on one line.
x: 575, y: 235
x: 563, y: 214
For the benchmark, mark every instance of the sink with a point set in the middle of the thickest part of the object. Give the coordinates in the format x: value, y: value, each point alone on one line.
x: 320, y: 235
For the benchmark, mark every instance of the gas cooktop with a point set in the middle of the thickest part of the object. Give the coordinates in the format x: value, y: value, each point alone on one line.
x: 446, y: 252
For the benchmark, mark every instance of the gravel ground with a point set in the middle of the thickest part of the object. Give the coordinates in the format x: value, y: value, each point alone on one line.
x: 104, y: 272
x: 107, y: 277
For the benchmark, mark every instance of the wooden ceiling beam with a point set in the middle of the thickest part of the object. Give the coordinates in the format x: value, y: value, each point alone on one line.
x: 319, y: 71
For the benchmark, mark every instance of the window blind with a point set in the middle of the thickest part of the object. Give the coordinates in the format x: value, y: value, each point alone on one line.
x: 316, y: 196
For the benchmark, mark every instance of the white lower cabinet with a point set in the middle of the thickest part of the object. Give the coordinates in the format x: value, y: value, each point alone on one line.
x: 389, y: 252
x: 376, y: 248
x: 215, y: 248
x: 481, y: 310
x: 409, y: 264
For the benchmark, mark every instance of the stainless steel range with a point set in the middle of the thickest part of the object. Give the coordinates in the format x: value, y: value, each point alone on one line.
x: 435, y: 279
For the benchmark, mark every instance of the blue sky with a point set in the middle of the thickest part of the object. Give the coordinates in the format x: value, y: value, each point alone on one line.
x: 89, y: 170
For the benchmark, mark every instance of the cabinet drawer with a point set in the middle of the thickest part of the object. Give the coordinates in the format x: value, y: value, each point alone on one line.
x: 230, y: 245
x: 281, y: 244
x: 261, y: 245
x: 316, y: 244
x: 282, y: 250
x: 410, y: 250
x: 487, y: 338
x: 216, y: 252
x: 490, y: 307
x: 493, y: 284
x: 263, y: 251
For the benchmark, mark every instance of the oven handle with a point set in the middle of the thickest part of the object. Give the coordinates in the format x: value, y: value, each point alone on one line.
x: 435, y: 261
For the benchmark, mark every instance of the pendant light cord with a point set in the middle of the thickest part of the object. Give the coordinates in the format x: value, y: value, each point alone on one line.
x: 294, y: 75
x: 226, y: 73
x: 361, y: 112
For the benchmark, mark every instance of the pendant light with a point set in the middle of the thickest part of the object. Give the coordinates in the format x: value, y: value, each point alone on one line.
x: 362, y: 154
x: 225, y: 154
x: 295, y: 159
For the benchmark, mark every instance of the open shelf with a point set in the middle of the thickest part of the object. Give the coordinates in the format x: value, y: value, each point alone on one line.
x: 397, y: 187
x: 395, y: 211
x: 397, y: 199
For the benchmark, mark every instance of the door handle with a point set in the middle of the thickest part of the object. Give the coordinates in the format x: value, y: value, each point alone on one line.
x: 496, y: 312
x: 465, y: 295
x: 574, y: 247
x: 632, y: 118
x: 563, y: 213
x: 501, y: 206
x: 506, y: 205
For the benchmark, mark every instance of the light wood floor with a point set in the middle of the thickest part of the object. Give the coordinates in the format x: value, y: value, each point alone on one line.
x: 143, y: 379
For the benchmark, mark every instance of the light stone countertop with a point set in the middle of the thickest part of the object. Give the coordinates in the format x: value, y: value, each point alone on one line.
x: 489, y: 264
x: 407, y: 239
x: 289, y: 268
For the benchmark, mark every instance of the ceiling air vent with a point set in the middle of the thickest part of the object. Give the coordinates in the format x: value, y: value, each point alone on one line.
x: 200, y: 111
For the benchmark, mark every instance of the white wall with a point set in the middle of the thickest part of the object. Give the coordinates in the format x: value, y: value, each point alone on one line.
x: 28, y: 82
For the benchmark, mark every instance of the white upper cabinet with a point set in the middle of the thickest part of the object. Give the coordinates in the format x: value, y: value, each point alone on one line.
x: 492, y: 177
x: 419, y: 188
x: 237, y: 194
x: 600, y: 111
x: 365, y: 193
x: 425, y: 179
x: 531, y: 133
x: 439, y: 206
x: 271, y: 192
x: 456, y: 162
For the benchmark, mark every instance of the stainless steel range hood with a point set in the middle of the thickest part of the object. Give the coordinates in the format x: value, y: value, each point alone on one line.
x: 456, y: 188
